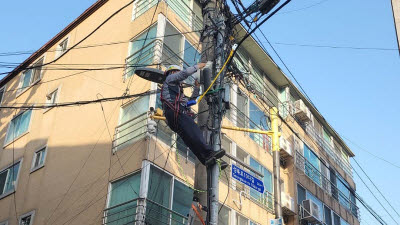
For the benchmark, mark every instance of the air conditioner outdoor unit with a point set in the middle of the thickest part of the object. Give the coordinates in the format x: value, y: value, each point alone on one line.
x: 285, y: 145
x: 311, y: 213
x: 301, y: 111
x: 287, y: 204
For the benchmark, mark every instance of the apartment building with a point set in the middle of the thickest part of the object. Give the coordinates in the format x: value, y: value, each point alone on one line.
x: 99, y: 164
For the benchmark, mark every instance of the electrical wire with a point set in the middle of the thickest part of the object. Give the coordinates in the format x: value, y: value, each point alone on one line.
x: 376, y: 187
x: 337, y: 47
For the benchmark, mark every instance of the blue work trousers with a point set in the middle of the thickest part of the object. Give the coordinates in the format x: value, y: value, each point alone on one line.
x: 190, y: 133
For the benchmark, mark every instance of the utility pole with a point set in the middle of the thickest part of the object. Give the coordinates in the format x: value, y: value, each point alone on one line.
x: 276, y: 161
x: 213, y: 42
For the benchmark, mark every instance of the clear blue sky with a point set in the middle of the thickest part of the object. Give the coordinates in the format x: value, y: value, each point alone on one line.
x: 356, y: 90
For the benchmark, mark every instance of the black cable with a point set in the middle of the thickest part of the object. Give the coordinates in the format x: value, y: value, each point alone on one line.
x: 227, y: 194
x: 376, y: 187
x: 17, y: 70
x: 93, y: 45
x: 77, y: 103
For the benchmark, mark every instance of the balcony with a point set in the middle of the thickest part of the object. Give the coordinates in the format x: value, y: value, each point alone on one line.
x: 328, y: 148
x: 186, y: 14
x: 179, y: 7
x: 155, y: 53
x: 315, y: 175
x: 142, y: 211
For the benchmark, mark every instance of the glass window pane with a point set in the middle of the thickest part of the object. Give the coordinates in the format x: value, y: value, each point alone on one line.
x: 123, y: 191
x: 240, y: 220
x: 242, y: 110
x: 256, y: 166
x: 191, y: 56
x: 327, y: 216
x: 3, y: 177
x: 142, y: 50
x: 182, y: 202
x: 133, y: 122
x: 223, y: 216
x: 318, y: 202
x: 26, y: 220
x: 313, y: 165
x: 301, y: 194
x: 26, y: 79
x: 336, y: 219
x: 12, y: 178
x: 258, y: 121
x: 160, y: 192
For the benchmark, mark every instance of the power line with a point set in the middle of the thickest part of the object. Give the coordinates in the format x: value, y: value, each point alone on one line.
x: 376, y: 187
x: 337, y: 47
x: 303, y: 8
x: 77, y: 103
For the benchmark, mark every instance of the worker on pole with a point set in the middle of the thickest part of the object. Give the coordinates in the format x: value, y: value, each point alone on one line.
x: 179, y: 116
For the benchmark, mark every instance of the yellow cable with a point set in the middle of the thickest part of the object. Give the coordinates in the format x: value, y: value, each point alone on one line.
x: 216, y: 77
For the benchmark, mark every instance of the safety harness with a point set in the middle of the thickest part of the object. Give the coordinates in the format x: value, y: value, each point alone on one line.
x: 176, y: 106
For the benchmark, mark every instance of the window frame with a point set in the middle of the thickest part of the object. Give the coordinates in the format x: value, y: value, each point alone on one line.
x: 31, y: 214
x: 5, y: 222
x: 33, y: 168
x: 5, y: 194
x: 50, y: 93
x: 20, y: 89
x: 21, y: 135
x: 3, y: 88
x: 59, y: 51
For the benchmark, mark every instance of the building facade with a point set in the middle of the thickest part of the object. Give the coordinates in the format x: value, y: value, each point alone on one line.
x: 98, y: 164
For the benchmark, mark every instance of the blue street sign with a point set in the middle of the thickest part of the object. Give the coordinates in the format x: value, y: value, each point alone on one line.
x: 247, y: 179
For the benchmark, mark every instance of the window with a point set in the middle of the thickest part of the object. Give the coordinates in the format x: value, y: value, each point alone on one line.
x: 301, y: 194
x: 62, y: 47
x: 258, y: 121
x: 8, y: 179
x: 133, y: 122
x: 226, y: 145
x: 1, y: 94
x: 265, y: 198
x: 27, y: 219
x: 141, y: 6
x: 4, y: 222
x: 327, y: 215
x: 168, y: 194
x: 38, y: 159
x: 318, y: 202
x: 190, y: 57
x: 31, y: 76
x: 120, y: 202
x: 344, y: 192
x: 51, y: 98
x: 336, y: 219
x: 224, y: 215
x: 141, y: 50
x: 244, y: 157
x: 242, y: 109
x: 241, y: 220
x: 312, y: 165
x: 172, y: 47
x: 19, y: 125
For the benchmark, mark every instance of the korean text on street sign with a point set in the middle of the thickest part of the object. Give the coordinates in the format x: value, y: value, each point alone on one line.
x: 247, y: 179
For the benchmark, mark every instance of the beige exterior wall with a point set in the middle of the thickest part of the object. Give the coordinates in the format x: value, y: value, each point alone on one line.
x: 79, y: 164
x: 396, y: 15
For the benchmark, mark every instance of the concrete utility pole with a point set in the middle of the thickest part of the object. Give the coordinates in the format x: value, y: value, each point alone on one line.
x: 213, y: 44
x: 276, y: 160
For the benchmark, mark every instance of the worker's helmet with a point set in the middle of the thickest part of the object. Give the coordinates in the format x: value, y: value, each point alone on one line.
x: 172, y: 68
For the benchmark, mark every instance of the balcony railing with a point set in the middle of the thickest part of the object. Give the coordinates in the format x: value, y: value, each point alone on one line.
x: 328, y: 148
x: 315, y: 175
x: 146, y: 56
x: 142, y: 211
x: 186, y: 14
x: 129, y: 132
